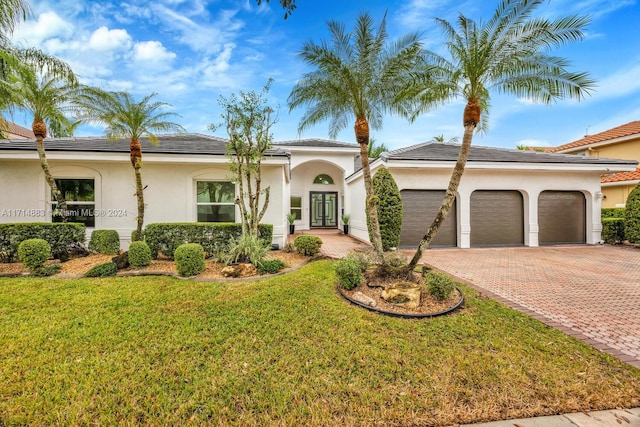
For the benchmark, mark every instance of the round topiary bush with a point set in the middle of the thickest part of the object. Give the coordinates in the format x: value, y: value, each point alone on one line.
x: 632, y: 216
x: 139, y: 254
x: 349, y: 272
x: 308, y: 245
x: 105, y: 242
x: 33, y: 253
x: 189, y: 259
x: 440, y: 285
x: 389, y: 208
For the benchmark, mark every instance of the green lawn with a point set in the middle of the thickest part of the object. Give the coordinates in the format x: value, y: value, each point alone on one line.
x: 285, y: 351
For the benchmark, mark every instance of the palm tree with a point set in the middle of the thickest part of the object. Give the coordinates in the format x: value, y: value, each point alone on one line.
x: 357, y: 76
x: 375, y: 150
x: 507, y: 54
x: 47, y: 97
x: 126, y: 118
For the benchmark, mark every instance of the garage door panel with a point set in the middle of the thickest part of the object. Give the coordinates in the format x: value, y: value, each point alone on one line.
x: 561, y: 217
x: 419, y: 210
x: 497, y: 218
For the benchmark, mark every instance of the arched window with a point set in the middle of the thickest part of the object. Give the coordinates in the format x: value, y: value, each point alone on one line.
x: 323, y: 179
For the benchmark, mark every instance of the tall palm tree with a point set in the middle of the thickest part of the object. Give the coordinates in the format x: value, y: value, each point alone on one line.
x: 357, y: 76
x: 126, y: 118
x: 507, y: 54
x: 47, y: 97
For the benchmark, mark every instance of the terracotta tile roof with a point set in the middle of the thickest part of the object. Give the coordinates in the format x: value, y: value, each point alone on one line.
x: 15, y: 131
x: 622, y: 176
x: 631, y: 128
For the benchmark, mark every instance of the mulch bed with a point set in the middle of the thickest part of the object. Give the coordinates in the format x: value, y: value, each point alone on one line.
x: 79, y: 266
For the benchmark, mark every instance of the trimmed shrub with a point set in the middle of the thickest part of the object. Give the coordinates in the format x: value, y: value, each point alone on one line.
x: 389, y: 209
x: 349, y: 272
x: 134, y: 235
x: 102, y: 270
x: 139, y: 254
x: 47, y: 270
x: 189, y: 258
x: 33, y: 253
x: 632, y: 216
x: 247, y: 249
x: 440, y: 285
x: 164, y: 238
x: 105, y: 242
x: 613, y: 230
x: 271, y: 266
x: 60, y: 236
x: 612, y: 213
x: 308, y: 245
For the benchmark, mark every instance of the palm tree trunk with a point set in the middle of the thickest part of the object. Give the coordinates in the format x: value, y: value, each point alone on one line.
x: 362, y: 136
x: 135, y: 153
x: 471, y: 120
x: 39, y: 129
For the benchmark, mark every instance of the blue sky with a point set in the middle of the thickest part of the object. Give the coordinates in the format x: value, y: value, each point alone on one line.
x: 192, y: 51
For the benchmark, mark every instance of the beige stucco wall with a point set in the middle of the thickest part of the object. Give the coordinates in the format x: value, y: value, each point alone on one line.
x: 616, y: 195
x: 628, y: 150
x: 169, y: 197
x: 530, y: 183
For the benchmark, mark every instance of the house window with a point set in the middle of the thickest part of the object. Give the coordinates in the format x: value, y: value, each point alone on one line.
x: 323, y: 179
x: 215, y: 201
x: 80, y: 197
x: 296, y: 206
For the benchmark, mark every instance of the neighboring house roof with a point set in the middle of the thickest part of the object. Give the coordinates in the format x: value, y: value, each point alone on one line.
x: 623, y: 131
x: 191, y: 143
x: 439, y: 151
x: 13, y: 130
x: 316, y: 143
x: 621, y: 177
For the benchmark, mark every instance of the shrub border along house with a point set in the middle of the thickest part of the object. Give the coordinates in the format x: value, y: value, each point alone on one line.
x: 59, y: 236
x: 164, y: 238
x: 105, y: 242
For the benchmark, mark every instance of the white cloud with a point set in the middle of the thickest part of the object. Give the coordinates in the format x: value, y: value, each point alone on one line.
x: 104, y: 39
x: 48, y: 25
x: 152, y: 51
x: 621, y: 83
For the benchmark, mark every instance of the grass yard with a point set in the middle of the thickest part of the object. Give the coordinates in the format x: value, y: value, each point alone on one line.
x: 282, y: 351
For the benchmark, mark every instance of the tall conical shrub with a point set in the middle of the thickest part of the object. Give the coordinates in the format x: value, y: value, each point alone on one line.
x: 389, y: 208
x: 632, y: 216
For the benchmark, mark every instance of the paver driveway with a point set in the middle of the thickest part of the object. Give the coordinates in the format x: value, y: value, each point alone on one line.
x: 590, y: 292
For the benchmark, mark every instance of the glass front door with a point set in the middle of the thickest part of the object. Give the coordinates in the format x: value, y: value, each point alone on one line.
x: 324, y: 209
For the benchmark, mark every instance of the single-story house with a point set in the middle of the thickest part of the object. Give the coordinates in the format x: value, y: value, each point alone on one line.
x: 620, y: 142
x: 506, y: 197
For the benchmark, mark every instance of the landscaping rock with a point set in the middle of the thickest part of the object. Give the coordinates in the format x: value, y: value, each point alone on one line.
x: 406, y: 294
x: 364, y: 299
x: 121, y: 261
x: 239, y: 270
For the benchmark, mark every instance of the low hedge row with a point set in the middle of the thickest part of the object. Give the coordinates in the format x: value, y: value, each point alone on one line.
x: 164, y: 238
x: 613, y: 230
x: 59, y: 236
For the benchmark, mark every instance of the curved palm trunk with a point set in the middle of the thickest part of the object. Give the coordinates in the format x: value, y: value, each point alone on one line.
x: 361, y: 129
x: 135, y: 153
x: 471, y: 120
x: 40, y: 130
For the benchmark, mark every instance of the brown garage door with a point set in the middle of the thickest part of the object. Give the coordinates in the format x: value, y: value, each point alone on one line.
x: 497, y: 218
x: 419, y: 210
x: 561, y: 217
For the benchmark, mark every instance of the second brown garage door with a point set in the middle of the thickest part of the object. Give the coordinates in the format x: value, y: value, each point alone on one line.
x: 497, y: 218
x: 561, y: 217
x: 419, y: 210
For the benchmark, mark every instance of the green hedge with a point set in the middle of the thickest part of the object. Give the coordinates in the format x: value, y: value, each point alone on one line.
x: 105, y: 242
x: 632, y: 216
x: 612, y: 213
x: 189, y: 259
x: 33, y: 253
x: 613, y: 230
x: 59, y: 236
x: 164, y: 238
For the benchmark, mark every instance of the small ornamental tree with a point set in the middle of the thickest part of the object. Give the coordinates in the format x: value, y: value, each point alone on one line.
x: 389, y: 208
x: 248, y: 121
x: 632, y: 216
